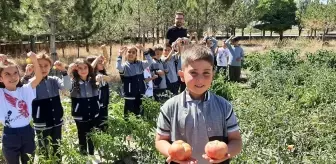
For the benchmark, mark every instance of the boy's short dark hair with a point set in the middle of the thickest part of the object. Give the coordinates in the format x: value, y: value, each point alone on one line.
x: 235, y: 39
x: 158, y: 47
x: 196, y: 52
x: 167, y: 45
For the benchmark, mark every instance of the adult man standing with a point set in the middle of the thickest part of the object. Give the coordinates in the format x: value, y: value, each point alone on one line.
x: 173, y: 33
x: 176, y: 31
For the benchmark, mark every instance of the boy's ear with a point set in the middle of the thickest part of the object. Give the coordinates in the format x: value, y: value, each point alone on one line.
x: 1, y: 80
x: 181, y: 74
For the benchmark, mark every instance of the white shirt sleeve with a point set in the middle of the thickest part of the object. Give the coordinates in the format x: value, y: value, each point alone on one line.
x: 29, y: 92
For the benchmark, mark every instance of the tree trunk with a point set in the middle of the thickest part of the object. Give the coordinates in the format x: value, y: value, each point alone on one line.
x: 153, y: 36
x: 87, y: 45
x: 263, y: 33
x: 78, y: 44
x: 242, y: 31
x: 21, y: 47
x: 314, y: 32
x: 227, y: 33
x: 110, y: 59
x: 157, y: 34
x: 300, y: 30
x: 281, y: 35
x: 271, y: 33
x: 250, y: 35
x: 53, y: 38
x: 323, y: 35
x: 32, y: 43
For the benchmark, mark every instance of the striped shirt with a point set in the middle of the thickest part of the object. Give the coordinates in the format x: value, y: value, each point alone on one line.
x: 195, y: 121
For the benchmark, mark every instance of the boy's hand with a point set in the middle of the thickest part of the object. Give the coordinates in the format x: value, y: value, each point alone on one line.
x: 190, y: 161
x: 31, y: 55
x: 160, y: 72
x: 29, y: 69
x: 59, y: 66
x: 216, y: 161
x: 155, y: 76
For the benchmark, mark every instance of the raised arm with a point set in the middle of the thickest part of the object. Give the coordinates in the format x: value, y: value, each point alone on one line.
x: 228, y: 45
x: 38, y: 74
x: 105, y: 54
x: 119, y: 65
x: 97, y: 60
x: 148, y: 61
x: 65, y: 82
x: 28, y: 74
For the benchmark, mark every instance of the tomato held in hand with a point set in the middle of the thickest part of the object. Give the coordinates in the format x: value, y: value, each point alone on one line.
x: 216, y: 150
x: 180, y: 151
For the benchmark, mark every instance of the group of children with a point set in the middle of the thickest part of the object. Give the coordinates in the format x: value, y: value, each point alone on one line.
x: 185, y: 70
x: 37, y: 96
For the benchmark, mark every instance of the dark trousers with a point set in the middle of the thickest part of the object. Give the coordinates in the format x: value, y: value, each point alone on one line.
x: 158, y: 94
x: 234, y: 73
x: 173, y: 87
x: 84, y: 129
x: 53, y: 135
x: 133, y: 106
x: 17, y: 143
x: 182, y: 85
x: 102, y: 118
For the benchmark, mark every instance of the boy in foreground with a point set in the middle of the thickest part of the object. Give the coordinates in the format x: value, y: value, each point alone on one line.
x: 197, y: 116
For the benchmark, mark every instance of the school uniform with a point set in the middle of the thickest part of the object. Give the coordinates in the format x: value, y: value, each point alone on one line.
x: 222, y: 56
x: 234, y: 65
x: 159, y: 84
x: 171, y: 76
x: 85, y: 111
x: 197, y: 122
x: 149, y: 85
x: 48, y: 111
x: 133, y: 83
x: 104, y: 99
x: 15, y: 115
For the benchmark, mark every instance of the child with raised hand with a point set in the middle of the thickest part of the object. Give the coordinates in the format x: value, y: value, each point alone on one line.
x: 99, y: 64
x: 169, y: 59
x: 16, y: 111
x: 133, y: 77
x: 47, y: 107
x: 84, y: 102
x: 197, y: 115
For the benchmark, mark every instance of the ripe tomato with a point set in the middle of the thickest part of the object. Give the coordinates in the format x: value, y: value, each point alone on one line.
x: 216, y: 149
x: 180, y: 150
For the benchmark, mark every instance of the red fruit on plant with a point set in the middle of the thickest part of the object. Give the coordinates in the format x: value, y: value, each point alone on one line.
x: 180, y: 150
x: 216, y: 149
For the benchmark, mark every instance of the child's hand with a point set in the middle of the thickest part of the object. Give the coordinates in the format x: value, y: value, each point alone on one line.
x: 29, y: 69
x: 160, y: 72
x: 190, y: 161
x: 101, y: 58
x: 140, y: 47
x: 100, y: 78
x: 3, y: 57
x: 216, y: 161
x: 155, y: 76
x: 72, y: 67
x: 103, y: 46
x: 122, y: 50
x: 31, y: 55
x: 238, y: 59
x: 59, y: 66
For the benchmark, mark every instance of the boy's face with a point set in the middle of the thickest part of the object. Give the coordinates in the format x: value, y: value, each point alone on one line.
x: 166, y: 51
x: 158, y: 54
x: 197, y: 76
x: 131, y: 54
x: 234, y: 43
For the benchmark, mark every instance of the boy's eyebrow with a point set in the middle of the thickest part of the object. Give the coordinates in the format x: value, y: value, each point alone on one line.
x: 204, y: 69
